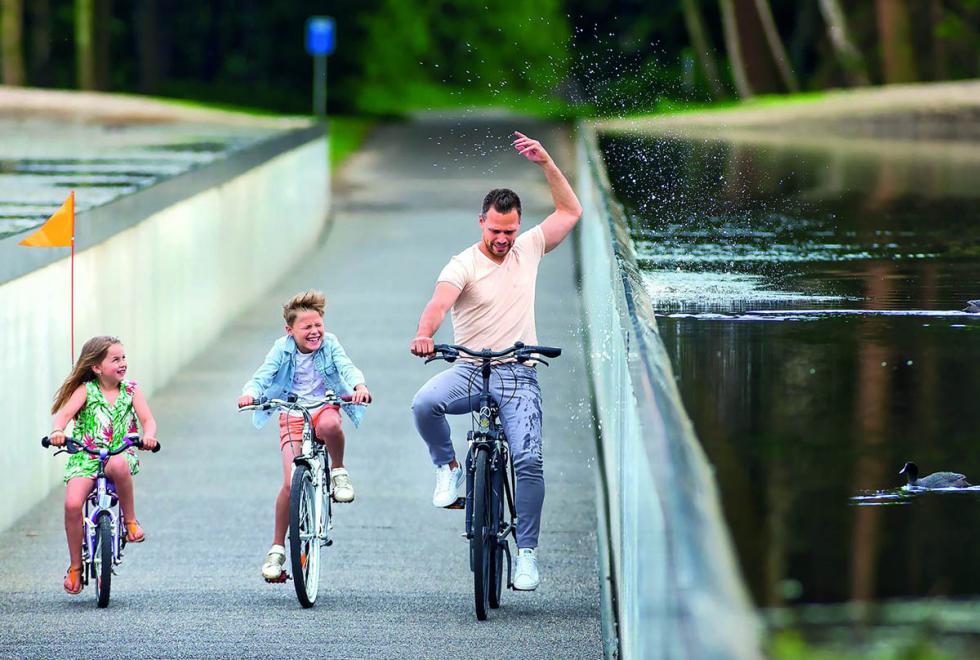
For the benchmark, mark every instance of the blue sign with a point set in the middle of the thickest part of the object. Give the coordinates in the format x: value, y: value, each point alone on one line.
x: 320, y: 35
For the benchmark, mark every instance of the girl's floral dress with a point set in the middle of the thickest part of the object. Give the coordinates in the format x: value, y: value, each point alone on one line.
x: 99, y: 425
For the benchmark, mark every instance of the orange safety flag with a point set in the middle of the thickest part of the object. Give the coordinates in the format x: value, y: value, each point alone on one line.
x: 59, y: 230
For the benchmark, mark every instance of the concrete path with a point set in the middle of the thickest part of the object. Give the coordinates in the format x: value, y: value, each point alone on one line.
x: 396, y: 581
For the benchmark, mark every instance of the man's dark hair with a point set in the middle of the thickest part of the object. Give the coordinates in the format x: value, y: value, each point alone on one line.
x: 503, y: 200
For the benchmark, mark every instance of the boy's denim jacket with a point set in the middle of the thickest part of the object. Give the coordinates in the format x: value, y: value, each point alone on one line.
x: 274, y: 379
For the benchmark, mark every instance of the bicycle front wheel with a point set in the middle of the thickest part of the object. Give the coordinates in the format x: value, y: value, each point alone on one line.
x: 496, y: 561
x: 304, y: 539
x: 481, y: 539
x: 102, y: 559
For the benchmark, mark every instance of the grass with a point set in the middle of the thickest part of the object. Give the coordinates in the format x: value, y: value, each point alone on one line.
x: 347, y: 133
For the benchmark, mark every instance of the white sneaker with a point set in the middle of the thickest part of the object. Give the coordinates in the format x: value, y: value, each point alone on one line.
x: 340, y: 486
x: 526, y: 576
x: 272, y: 568
x: 448, y: 482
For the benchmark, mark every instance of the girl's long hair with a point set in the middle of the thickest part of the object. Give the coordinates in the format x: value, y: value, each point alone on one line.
x: 93, y: 352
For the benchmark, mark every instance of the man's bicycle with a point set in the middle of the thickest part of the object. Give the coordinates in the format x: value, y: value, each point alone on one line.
x: 310, y: 503
x: 490, y: 476
x: 103, y: 519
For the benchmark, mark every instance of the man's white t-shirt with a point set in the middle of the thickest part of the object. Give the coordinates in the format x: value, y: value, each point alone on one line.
x: 495, y: 307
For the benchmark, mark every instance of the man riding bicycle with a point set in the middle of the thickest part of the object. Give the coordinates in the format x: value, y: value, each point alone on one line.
x: 490, y: 289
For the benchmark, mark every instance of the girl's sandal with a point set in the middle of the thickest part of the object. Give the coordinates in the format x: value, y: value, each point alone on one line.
x: 134, y: 533
x: 73, y: 580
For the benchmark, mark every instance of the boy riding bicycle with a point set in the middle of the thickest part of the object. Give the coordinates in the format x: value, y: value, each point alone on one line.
x: 306, y: 363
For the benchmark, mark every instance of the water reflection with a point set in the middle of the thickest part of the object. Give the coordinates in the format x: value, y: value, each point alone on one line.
x: 810, y: 299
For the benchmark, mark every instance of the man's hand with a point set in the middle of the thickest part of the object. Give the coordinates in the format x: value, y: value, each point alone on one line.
x: 423, y: 346
x: 245, y: 400
x: 361, y: 394
x: 531, y: 149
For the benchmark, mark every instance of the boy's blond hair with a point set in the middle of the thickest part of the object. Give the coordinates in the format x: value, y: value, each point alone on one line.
x: 308, y: 301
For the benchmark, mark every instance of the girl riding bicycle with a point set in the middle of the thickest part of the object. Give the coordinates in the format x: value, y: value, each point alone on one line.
x: 307, y: 362
x: 105, y: 408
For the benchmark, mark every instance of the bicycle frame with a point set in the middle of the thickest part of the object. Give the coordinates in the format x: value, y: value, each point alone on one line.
x: 314, y: 455
x: 102, y: 499
x: 490, y: 437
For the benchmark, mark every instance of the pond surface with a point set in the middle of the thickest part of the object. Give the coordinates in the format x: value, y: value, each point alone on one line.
x: 42, y: 159
x: 810, y: 300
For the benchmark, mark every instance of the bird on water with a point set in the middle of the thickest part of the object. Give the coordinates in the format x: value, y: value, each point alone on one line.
x: 935, y: 480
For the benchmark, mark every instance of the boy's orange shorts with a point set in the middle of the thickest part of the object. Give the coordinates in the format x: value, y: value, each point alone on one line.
x: 291, y: 426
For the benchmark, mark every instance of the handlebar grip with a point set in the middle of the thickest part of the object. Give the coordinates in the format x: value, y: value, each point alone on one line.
x: 548, y: 351
x: 45, y: 442
x: 156, y: 449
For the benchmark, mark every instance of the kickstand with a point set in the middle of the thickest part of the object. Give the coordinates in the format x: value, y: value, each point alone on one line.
x: 506, y: 547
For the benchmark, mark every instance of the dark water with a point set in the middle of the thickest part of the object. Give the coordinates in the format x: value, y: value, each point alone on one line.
x: 800, y: 410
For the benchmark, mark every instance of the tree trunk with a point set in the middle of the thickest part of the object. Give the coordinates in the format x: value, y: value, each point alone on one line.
x: 734, y: 48
x: 776, y: 45
x: 11, y: 40
x: 101, y: 39
x: 939, y: 69
x: 847, y: 55
x: 699, y: 40
x: 147, y: 45
x: 894, y: 31
x: 84, y: 48
x: 40, y: 13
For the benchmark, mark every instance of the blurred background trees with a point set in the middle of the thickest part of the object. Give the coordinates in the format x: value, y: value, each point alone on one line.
x: 396, y: 55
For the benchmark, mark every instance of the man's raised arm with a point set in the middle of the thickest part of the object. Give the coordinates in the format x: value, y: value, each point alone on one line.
x: 567, y: 208
x: 433, y: 314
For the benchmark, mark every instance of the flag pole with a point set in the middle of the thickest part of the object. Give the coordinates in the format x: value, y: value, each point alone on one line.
x: 72, y: 329
x: 73, y: 294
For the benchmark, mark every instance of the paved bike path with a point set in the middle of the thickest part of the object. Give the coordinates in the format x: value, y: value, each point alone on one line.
x: 396, y: 582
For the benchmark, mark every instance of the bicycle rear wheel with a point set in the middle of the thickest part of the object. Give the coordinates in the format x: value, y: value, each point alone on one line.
x: 304, y: 541
x: 102, y: 559
x: 481, y: 543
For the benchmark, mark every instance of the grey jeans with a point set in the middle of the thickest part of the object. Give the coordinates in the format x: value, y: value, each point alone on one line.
x: 456, y: 391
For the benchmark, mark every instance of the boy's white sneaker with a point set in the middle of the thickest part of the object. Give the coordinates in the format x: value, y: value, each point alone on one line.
x: 341, y: 487
x: 526, y: 576
x: 274, y: 560
x: 448, y: 481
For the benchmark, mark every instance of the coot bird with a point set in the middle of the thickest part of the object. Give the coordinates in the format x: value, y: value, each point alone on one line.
x: 934, y: 480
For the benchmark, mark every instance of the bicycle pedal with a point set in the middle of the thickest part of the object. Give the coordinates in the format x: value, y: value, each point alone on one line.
x: 279, y: 580
x: 460, y: 503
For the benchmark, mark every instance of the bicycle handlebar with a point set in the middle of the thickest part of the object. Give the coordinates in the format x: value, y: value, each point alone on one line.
x: 521, y: 352
x: 72, y: 446
x: 261, y: 403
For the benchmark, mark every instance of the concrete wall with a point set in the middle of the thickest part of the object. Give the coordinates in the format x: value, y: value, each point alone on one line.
x: 166, y: 283
x: 678, y: 592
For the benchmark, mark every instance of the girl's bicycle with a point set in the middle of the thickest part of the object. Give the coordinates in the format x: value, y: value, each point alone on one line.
x: 104, y: 523
x: 490, y: 476
x: 310, y: 504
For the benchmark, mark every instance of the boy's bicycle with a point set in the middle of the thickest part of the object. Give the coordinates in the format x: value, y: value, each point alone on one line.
x: 490, y: 476
x: 310, y: 504
x: 104, y: 524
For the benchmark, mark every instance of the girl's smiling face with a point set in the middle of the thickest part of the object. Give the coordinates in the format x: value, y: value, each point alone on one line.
x: 112, y: 369
x: 307, y: 330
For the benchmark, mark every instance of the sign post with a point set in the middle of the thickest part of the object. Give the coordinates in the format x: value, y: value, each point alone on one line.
x: 320, y: 42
